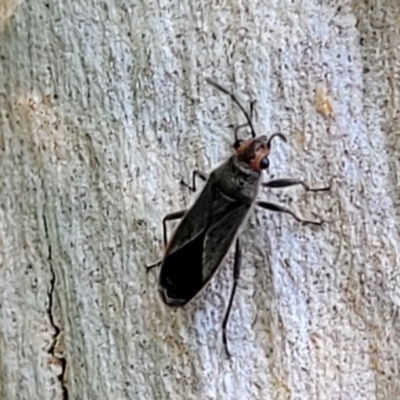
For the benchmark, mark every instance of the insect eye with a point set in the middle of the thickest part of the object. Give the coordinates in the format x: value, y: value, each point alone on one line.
x: 237, y: 144
x: 264, y: 163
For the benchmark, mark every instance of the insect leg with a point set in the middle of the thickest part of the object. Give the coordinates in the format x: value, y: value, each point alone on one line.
x: 203, y: 176
x: 157, y: 264
x: 171, y: 217
x: 168, y: 217
x: 281, y: 183
x: 236, y: 272
x: 279, y: 208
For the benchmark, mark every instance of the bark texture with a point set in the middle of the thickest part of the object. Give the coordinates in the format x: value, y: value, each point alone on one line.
x: 104, y: 109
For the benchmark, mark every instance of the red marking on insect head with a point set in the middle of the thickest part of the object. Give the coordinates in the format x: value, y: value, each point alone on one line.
x: 243, y: 147
x: 252, y: 152
x: 259, y: 156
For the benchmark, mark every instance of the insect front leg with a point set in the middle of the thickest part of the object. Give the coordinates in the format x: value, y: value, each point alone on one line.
x: 196, y: 173
x: 168, y: 217
x: 236, y: 273
x: 282, y: 209
x: 281, y: 183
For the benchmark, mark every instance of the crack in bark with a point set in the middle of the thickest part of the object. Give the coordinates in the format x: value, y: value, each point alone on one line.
x: 61, y: 360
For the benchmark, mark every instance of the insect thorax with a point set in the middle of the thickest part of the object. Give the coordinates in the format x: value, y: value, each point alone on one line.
x: 237, y: 181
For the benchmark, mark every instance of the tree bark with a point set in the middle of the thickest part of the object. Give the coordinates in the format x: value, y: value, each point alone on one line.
x: 105, y: 108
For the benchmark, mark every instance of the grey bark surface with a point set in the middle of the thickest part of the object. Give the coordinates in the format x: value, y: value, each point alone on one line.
x: 104, y: 109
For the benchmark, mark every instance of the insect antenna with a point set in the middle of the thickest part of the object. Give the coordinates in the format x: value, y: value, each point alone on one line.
x: 235, y: 100
x: 241, y: 126
x: 275, y: 135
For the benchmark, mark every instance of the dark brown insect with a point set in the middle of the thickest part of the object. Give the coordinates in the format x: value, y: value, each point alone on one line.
x: 213, y: 223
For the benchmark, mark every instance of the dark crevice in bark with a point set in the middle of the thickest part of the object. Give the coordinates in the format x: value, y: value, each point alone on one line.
x: 61, y: 360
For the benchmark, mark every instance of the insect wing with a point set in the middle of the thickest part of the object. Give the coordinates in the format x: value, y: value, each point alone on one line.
x: 193, y: 223
x: 199, y: 244
x: 220, y: 236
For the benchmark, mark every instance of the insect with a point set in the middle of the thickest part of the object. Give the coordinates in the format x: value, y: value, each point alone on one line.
x: 212, y: 224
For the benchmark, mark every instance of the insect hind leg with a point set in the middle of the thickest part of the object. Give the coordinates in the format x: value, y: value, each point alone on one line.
x: 236, y: 272
x: 155, y: 265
